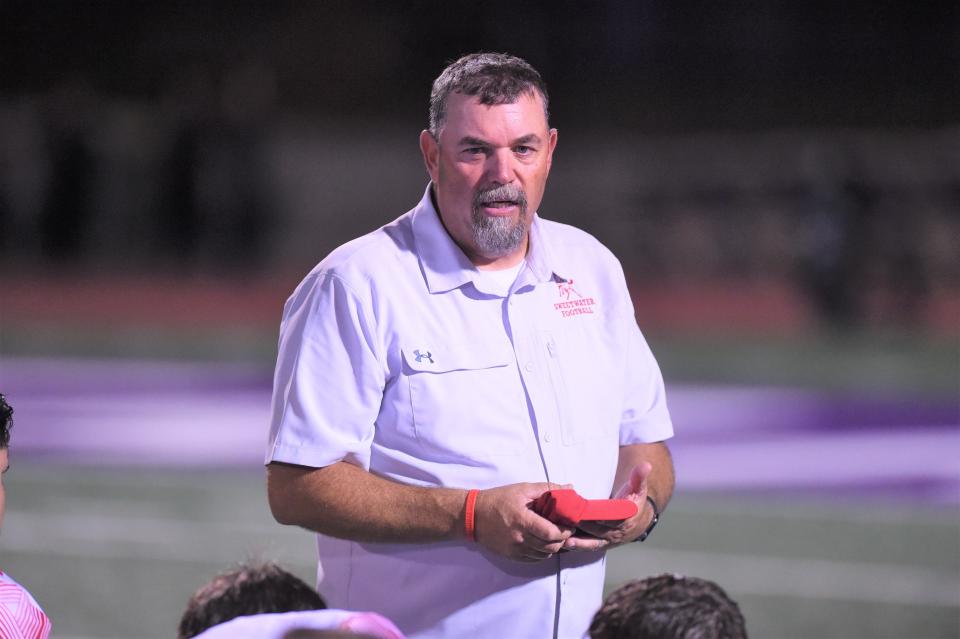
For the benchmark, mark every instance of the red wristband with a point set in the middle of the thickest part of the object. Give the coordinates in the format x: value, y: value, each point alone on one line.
x: 469, y: 523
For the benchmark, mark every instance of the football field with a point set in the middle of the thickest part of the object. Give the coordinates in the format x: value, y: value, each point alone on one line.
x: 116, y: 553
x: 134, y: 482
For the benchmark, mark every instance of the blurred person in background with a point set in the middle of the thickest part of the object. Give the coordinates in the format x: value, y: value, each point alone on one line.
x: 20, y: 615
x: 265, y: 601
x: 668, y: 607
x: 438, y: 375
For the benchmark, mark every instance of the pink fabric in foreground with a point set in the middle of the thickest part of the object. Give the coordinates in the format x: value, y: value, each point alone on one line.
x: 276, y: 625
x: 20, y: 615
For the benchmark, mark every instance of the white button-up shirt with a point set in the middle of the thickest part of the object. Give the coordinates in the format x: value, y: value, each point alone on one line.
x: 396, y: 357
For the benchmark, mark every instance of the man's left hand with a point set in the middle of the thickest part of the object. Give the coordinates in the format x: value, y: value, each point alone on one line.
x: 597, y: 535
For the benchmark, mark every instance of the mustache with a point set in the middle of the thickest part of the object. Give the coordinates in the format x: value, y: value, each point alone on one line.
x: 502, y: 193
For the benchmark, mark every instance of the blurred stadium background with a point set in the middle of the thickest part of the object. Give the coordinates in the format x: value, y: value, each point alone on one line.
x: 780, y: 180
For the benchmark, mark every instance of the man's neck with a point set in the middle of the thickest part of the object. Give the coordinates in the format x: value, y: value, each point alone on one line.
x: 501, y: 263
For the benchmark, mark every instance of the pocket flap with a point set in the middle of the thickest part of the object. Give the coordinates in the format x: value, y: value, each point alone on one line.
x: 444, y: 359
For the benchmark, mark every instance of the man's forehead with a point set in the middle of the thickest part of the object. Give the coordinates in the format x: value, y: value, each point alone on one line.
x: 463, y: 100
x: 467, y: 111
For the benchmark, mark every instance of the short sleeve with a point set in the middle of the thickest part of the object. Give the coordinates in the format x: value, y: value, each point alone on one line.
x: 645, y: 418
x: 328, y: 383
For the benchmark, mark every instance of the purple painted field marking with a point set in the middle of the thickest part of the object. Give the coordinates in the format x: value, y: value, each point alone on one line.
x: 728, y: 438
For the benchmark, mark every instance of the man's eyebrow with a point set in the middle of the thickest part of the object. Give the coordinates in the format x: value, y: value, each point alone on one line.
x: 527, y: 139
x: 472, y: 141
x: 469, y: 140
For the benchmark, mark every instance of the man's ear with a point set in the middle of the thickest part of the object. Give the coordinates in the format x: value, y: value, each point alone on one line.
x: 431, y: 154
x: 551, y: 145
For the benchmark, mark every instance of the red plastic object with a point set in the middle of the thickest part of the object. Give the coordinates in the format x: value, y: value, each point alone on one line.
x: 565, y: 506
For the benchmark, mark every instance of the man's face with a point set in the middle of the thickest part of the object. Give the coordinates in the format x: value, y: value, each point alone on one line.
x: 4, y: 465
x: 489, y: 171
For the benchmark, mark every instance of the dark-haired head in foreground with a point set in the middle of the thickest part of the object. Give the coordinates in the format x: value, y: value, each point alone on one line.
x: 6, y: 422
x: 668, y: 607
x: 249, y: 590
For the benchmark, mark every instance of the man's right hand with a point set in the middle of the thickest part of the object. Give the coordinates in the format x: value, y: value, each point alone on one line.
x: 505, y: 523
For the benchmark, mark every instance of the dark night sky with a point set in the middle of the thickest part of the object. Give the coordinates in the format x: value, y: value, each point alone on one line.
x: 654, y: 66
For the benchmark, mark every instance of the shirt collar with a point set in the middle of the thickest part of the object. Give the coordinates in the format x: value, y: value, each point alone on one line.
x: 446, y: 267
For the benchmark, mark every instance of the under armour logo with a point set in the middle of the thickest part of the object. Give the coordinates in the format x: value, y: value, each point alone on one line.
x: 423, y: 356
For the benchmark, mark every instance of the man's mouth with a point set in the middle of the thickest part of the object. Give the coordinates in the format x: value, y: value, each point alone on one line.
x: 502, y: 201
x: 500, y: 205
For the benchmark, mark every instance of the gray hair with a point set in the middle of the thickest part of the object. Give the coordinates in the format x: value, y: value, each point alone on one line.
x: 494, y: 78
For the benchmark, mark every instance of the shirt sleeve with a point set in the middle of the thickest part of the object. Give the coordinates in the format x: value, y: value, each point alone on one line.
x: 328, y: 383
x: 645, y: 418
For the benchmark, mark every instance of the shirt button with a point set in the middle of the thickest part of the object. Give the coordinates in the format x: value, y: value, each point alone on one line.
x: 529, y: 367
x: 546, y: 437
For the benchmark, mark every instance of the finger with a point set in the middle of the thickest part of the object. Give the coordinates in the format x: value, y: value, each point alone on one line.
x: 567, y: 530
x: 609, y: 524
x: 535, y: 554
x: 549, y: 546
x: 584, y: 544
x: 601, y: 528
x: 543, y: 529
x: 591, y: 528
x: 540, y: 547
x: 637, y: 480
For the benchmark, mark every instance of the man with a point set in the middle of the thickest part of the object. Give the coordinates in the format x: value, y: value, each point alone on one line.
x: 20, y: 615
x: 436, y: 376
x: 669, y: 607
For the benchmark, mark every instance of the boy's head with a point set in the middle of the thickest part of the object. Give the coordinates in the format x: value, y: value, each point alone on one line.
x: 251, y: 589
x: 669, y: 607
x: 6, y: 421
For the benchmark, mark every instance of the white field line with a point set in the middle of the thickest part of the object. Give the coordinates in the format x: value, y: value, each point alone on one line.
x: 172, y: 540
x: 810, y: 459
x: 146, y: 539
x: 821, y: 510
x: 746, y: 574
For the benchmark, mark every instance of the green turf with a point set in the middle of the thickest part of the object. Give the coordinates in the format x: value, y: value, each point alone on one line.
x: 810, y: 569
x: 900, y: 362
x: 897, y: 362
x: 116, y: 553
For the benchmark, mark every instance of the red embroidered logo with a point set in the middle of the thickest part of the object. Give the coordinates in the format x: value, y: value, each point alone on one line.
x: 566, y: 289
x: 579, y: 305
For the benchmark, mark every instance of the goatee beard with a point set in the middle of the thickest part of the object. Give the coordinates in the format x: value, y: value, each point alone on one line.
x: 499, y: 236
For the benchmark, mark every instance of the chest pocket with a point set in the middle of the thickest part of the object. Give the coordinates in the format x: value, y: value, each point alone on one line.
x: 581, y: 369
x: 467, y: 402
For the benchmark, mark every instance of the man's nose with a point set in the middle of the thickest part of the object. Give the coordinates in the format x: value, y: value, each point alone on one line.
x: 500, y: 166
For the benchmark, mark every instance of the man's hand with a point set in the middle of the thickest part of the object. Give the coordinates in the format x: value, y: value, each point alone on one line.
x: 506, y: 525
x: 604, y: 534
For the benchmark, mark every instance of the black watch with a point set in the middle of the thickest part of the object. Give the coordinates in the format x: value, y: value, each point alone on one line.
x: 653, y: 522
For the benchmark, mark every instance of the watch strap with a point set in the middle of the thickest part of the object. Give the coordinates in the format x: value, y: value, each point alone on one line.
x: 653, y: 522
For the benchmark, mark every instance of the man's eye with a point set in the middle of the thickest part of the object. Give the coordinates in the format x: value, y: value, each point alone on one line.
x: 523, y: 150
x: 473, y: 150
